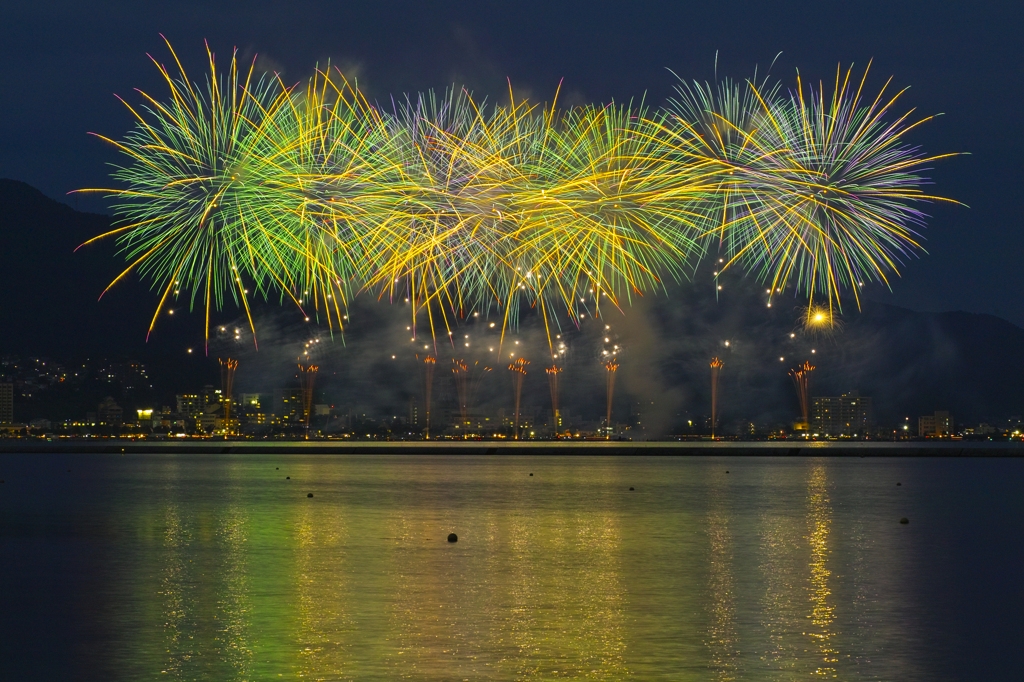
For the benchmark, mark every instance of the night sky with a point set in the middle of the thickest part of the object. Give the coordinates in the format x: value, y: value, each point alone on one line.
x: 63, y: 62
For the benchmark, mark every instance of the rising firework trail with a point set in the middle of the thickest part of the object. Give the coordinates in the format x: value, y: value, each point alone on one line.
x: 429, y: 362
x: 611, y: 366
x: 716, y: 367
x: 800, y: 380
x: 227, y: 382
x: 518, y: 369
x: 556, y: 417
x: 467, y: 380
x: 307, y: 378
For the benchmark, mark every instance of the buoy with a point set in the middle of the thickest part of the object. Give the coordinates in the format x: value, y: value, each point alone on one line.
x: 898, y: 484
x: 452, y: 537
x: 309, y: 495
x: 277, y: 468
x: 531, y: 473
x: 288, y: 478
x: 630, y: 487
x: 726, y: 471
x: 904, y: 520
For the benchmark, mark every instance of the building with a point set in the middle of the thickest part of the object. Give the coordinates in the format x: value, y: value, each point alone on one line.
x: 939, y: 424
x: 109, y: 413
x: 6, y: 403
x: 288, y: 405
x: 190, y: 406
x: 848, y: 415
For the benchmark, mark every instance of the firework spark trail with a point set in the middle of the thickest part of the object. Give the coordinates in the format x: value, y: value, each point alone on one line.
x: 610, y: 366
x: 307, y: 379
x: 518, y: 369
x: 246, y: 187
x: 467, y: 381
x: 716, y: 367
x: 227, y: 382
x: 429, y: 362
x: 553, y: 372
x: 800, y: 377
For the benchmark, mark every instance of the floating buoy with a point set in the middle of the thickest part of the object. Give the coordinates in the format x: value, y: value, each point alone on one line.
x: 898, y: 484
x: 904, y: 520
x: 277, y: 468
x: 309, y: 495
x: 630, y: 487
x: 452, y: 537
x: 726, y: 471
x: 531, y: 473
x: 288, y: 478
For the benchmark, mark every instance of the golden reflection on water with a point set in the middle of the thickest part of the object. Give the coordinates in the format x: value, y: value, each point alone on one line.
x: 721, y: 635
x: 565, y: 575
x: 321, y: 568
x: 819, y: 521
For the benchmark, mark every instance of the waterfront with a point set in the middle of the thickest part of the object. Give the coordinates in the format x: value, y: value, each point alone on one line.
x: 195, y: 566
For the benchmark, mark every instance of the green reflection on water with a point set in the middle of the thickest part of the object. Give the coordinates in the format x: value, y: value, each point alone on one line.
x: 234, y: 574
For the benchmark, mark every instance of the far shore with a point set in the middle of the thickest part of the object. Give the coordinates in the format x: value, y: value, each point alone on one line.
x: 534, y: 447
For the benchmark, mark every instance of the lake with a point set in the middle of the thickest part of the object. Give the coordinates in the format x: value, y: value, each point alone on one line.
x: 184, y: 566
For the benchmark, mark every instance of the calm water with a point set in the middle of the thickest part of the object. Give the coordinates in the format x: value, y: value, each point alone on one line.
x: 167, y: 567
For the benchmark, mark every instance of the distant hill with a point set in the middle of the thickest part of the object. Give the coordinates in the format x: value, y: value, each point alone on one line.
x: 910, y: 363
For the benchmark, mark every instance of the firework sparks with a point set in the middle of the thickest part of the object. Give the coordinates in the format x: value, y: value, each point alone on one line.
x: 800, y: 377
x: 716, y: 367
x: 610, y: 366
x: 518, y: 369
x: 247, y: 187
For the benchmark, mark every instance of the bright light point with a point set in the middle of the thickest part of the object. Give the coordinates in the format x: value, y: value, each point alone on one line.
x: 307, y: 319
x: 170, y: 312
x: 812, y: 350
x: 392, y: 357
x: 719, y: 287
x: 492, y: 324
x: 425, y: 347
x: 769, y: 305
x: 189, y: 350
x: 721, y: 260
x: 781, y: 359
x: 606, y: 339
x: 605, y: 352
x: 727, y: 343
x: 517, y: 343
x: 792, y: 336
x: 476, y: 314
x: 491, y: 349
x: 467, y: 345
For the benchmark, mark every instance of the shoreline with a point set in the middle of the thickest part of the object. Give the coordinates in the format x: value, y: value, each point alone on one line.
x: 576, y: 448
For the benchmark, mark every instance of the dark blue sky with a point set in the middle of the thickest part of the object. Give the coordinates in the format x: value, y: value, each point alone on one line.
x: 62, y: 63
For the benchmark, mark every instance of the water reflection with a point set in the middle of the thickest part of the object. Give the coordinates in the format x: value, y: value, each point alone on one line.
x: 721, y: 635
x: 234, y: 574
x: 819, y: 520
